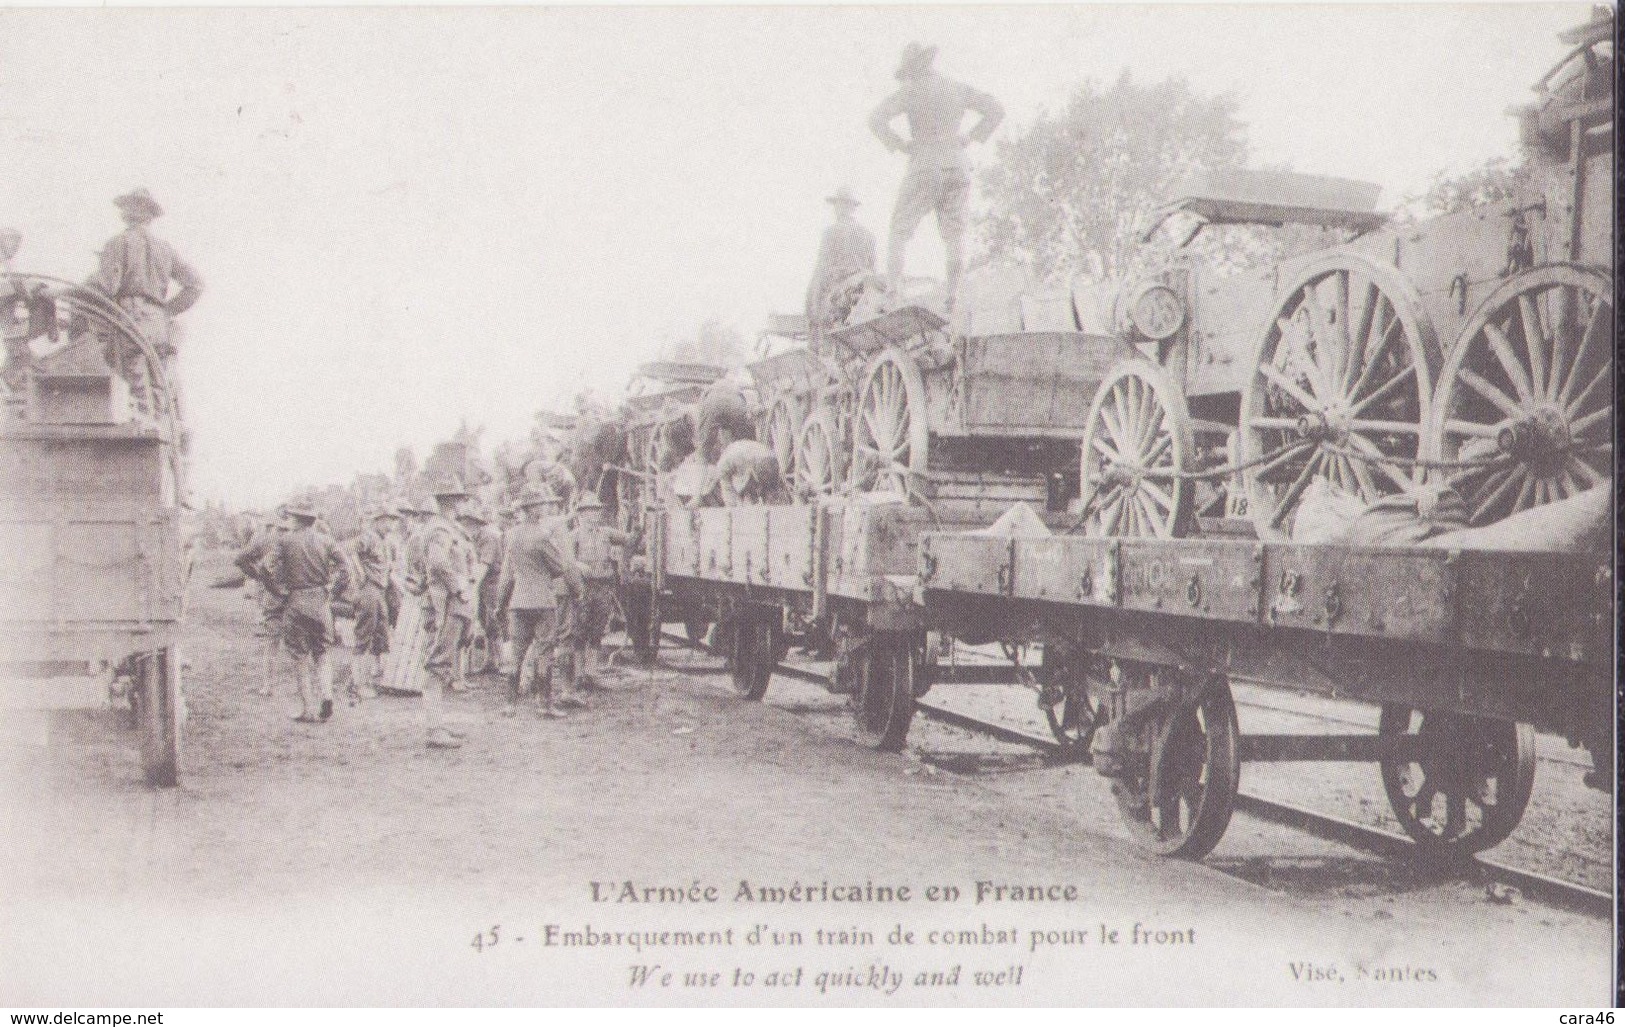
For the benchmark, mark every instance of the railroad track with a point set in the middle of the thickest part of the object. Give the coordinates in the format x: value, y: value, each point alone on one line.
x: 1478, y: 869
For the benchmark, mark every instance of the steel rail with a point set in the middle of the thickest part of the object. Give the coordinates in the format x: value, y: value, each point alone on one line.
x: 1553, y: 891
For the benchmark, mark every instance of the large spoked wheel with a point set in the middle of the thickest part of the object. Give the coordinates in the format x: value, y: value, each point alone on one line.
x: 1073, y: 713
x: 889, y: 430
x: 755, y: 650
x: 1527, y: 391
x: 1136, y: 441
x: 1182, y: 804
x: 159, y: 711
x: 1468, y: 786
x: 1339, y: 392
x: 883, y: 699
x: 818, y: 467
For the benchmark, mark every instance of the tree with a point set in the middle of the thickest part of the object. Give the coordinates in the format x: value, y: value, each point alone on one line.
x: 1068, y: 195
x: 714, y: 343
x: 1495, y: 180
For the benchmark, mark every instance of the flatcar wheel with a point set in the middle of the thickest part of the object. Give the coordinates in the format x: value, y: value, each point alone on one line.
x: 159, y: 681
x: 1136, y: 442
x: 1182, y: 804
x: 883, y: 700
x: 755, y: 650
x: 1072, y: 711
x: 1469, y: 785
x: 1073, y: 717
x: 1529, y: 381
x: 889, y: 429
x: 817, y: 454
x: 1340, y: 390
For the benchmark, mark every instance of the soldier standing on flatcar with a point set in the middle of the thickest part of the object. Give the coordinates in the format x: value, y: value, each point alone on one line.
x: 307, y: 567
x: 251, y: 562
x: 136, y: 270
x: 846, y: 250
x: 599, y: 550
x: 445, y: 567
x: 536, y: 575
x: 938, y: 175
x: 374, y: 553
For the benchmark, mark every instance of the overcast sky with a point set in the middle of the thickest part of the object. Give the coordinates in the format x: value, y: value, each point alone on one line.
x: 407, y: 217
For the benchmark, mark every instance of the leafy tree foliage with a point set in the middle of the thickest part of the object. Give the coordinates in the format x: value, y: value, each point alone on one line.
x: 1069, y: 194
x: 1495, y: 180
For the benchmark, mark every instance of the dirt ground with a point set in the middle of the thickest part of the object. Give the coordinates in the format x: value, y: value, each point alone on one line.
x: 348, y: 864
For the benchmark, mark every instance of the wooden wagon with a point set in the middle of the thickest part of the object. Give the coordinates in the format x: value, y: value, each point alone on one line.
x: 1472, y: 350
x: 91, y: 576
x: 900, y: 403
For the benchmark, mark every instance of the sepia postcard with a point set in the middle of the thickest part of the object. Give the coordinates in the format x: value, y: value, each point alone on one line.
x: 1063, y: 505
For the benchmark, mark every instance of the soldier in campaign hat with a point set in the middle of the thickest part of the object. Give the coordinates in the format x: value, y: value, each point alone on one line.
x: 938, y: 175
x: 251, y: 561
x: 845, y: 253
x: 538, y: 581
x: 137, y: 269
x: 487, y: 546
x: 599, y: 549
x: 305, y: 568
x: 374, y: 553
x: 445, y: 564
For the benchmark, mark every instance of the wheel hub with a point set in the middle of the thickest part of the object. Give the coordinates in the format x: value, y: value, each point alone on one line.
x: 1541, y: 436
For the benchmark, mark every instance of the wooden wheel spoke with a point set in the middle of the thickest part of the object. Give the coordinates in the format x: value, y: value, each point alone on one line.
x: 1394, y: 427
x: 1380, y: 458
x: 1114, y: 429
x: 1598, y: 339
x: 1362, y: 477
x: 1289, y: 453
x: 1157, y: 495
x: 1534, y: 342
x: 1289, y: 500
x: 1153, y: 520
x: 1516, y: 373
x: 1574, y: 406
x: 1164, y: 447
x: 1583, y: 424
x: 1274, y: 423
x: 1526, y: 495
x: 1321, y: 382
x: 1111, y: 514
x: 1285, y: 384
x: 1484, y: 388
x: 1584, y: 471
x: 1492, y: 496
x: 1457, y: 426
x: 1357, y: 338
x: 1106, y: 450
x: 1373, y: 355
x: 1382, y: 391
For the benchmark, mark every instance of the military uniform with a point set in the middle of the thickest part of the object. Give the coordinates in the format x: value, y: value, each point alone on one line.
x: 446, y: 571
x: 537, y: 580
x: 306, y: 565
x: 599, y: 550
x: 252, y: 562
x: 938, y: 175
x: 374, y: 556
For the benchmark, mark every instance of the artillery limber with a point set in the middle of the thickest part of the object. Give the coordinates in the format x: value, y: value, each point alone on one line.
x: 90, y: 486
x: 1470, y: 351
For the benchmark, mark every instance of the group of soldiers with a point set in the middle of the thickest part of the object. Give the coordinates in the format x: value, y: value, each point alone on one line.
x: 435, y: 581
